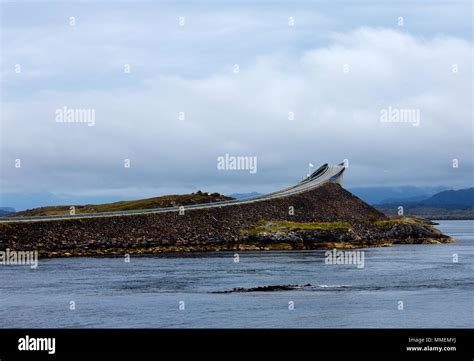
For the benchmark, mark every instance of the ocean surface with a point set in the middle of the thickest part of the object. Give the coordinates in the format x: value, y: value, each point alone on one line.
x: 400, y: 286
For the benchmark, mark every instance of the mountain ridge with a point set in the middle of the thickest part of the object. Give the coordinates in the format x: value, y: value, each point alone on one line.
x: 448, y: 204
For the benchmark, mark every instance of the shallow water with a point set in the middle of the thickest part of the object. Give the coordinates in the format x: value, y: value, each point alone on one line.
x: 148, y: 291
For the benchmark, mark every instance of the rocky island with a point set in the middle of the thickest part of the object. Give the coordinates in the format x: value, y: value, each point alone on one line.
x: 323, y: 217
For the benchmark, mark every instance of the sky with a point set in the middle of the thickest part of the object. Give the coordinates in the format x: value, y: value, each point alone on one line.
x: 313, y: 79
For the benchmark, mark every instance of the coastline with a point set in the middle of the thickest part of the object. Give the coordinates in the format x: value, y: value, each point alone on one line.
x: 241, y: 247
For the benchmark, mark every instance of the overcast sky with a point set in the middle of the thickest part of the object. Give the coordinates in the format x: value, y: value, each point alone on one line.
x: 336, y: 69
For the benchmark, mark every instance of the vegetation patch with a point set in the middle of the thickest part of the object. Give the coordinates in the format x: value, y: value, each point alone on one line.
x: 149, y: 203
x: 386, y: 224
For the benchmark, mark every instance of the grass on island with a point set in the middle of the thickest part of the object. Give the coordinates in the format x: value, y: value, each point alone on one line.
x: 149, y: 203
x: 287, y: 226
x: 398, y: 220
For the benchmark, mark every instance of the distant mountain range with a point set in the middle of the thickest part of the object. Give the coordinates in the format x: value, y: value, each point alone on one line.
x: 452, y: 204
x: 387, y: 194
x: 6, y: 210
x: 245, y: 195
x: 463, y: 198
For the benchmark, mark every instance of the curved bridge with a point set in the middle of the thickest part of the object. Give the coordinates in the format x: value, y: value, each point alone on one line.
x: 325, y: 173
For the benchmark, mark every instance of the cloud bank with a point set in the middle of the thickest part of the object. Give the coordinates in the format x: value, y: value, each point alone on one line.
x: 288, y: 107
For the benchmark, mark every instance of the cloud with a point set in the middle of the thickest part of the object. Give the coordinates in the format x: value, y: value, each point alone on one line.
x: 337, y: 114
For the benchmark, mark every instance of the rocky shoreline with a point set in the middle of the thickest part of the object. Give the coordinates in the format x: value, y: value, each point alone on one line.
x: 241, y: 247
x: 324, y: 218
x: 264, y: 244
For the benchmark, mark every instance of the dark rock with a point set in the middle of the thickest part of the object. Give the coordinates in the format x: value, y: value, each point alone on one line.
x: 266, y: 288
